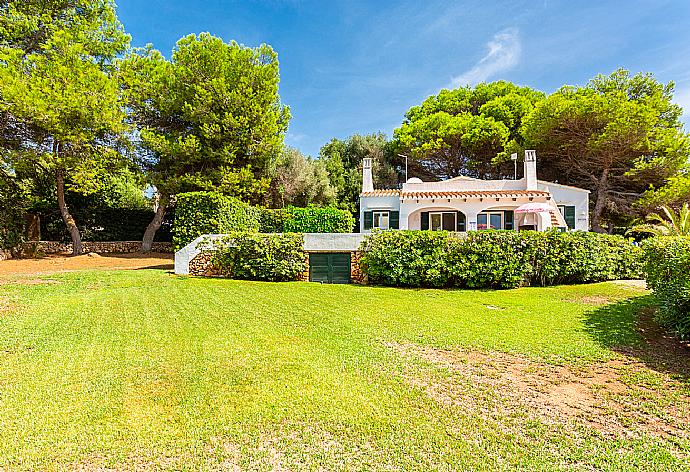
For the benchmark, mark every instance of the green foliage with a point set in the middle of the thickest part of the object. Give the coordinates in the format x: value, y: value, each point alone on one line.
x: 579, y: 257
x: 466, y: 131
x: 257, y: 256
x: 210, y: 117
x: 58, y: 91
x: 666, y: 269
x: 13, y: 205
x: 674, y: 223
x: 100, y: 224
x: 343, y: 163
x: 199, y: 213
x: 313, y: 219
x: 407, y: 258
x: 497, y: 259
x: 300, y: 181
x: 616, y: 136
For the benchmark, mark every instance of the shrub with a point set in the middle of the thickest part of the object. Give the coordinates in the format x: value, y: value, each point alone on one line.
x: 667, y: 271
x: 198, y: 213
x: 317, y: 220
x: 257, y: 256
x: 407, y: 258
x: 579, y: 257
x: 271, y: 220
x: 497, y: 259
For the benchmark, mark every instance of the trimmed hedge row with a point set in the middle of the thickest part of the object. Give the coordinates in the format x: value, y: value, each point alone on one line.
x: 256, y: 256
x: 667, y: 271
x: 198, y: 213
x: 497, y: 259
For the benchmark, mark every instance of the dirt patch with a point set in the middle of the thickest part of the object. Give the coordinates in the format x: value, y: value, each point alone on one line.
x: 596, y: 300
x: 621, y: 398
x: 56, y: 264
x: 26, y: 281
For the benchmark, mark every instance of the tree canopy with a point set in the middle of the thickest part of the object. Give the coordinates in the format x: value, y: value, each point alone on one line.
x: 615, y: 136
x: 343, y: 161
x: 466, y: 131
x: 210, y: 118
x: 57, y: 92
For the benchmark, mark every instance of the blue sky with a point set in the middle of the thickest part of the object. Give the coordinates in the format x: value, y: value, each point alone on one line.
x: 355, y: 67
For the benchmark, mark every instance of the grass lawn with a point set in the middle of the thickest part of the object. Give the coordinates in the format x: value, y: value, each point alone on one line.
x: 141, y: 369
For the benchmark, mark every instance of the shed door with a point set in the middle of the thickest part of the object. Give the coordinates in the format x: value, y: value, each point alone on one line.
x: 329, y: 268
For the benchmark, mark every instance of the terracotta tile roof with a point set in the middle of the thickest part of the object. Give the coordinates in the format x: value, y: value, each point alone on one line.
x: 457, y: 194
x: 475, y: 194
x: 381, y: 193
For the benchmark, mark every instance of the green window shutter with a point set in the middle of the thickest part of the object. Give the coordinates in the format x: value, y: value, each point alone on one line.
x: 570, y: 216
x: 368, y: 219
x: 462, y: 222
x: 508, y: 218
x: 425, y: 220
x: 394, y: 220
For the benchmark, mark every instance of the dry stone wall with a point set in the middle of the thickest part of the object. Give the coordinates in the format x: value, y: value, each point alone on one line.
x: 112, y: 247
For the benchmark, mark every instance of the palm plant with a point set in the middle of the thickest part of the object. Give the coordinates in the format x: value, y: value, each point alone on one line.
x: 674, y: 224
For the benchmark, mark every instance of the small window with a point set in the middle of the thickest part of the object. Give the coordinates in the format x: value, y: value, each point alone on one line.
x: 443, y: 221
x: 490, y: 221
x: 381, y: 219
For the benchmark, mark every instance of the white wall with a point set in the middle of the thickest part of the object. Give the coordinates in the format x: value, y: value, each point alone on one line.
x: 377, y: 203
x: 565, y: 195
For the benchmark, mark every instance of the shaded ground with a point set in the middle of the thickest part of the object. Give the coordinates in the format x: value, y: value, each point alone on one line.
x: 55, y: 264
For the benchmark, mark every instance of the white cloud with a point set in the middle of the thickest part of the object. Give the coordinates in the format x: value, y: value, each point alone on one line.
x: 504, y: 53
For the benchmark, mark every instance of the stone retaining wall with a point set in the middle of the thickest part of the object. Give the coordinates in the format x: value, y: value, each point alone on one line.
x: 107, y: 247
x: 202, y: 266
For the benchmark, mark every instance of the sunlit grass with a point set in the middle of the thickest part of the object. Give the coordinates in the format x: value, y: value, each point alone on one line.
x: 140, y: 369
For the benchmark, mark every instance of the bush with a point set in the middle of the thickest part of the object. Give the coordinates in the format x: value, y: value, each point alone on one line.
x: 198, y: 213
x: 407, y: 258
x: 497, y: 259
x: 667, y: 271
x: 579, y: 257
x: 256, y: 256
x: 317, y: 220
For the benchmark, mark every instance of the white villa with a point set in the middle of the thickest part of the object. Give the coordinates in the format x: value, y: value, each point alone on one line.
x: 466, y: 204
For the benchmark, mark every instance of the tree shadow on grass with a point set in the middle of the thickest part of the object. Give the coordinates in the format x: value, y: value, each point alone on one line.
x: 629, y: 328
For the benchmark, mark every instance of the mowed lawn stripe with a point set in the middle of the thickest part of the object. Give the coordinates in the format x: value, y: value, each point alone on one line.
x: 143, y: 369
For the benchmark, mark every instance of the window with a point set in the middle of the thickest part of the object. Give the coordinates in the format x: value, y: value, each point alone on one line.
x: 446, y: 221
x: 381, y: 219
x: 568, y: 212
x: 491, y: 220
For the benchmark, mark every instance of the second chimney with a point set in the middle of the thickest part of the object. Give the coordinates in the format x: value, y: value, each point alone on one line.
x: 367, y: 178
x: 531, y: 170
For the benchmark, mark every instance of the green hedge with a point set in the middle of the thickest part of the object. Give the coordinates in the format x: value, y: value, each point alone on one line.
x: 317, y: 220
x: 497, y: 259
x: 258, y: 256
x: 199, y: 213
x: 667, y: 271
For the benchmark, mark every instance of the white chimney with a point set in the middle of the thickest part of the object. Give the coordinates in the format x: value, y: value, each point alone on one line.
x: 531, y: 170
x: 367, y: 178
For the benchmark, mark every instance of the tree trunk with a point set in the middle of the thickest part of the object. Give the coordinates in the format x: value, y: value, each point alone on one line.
x: 602, y: 197
x: 77, y: 247
x: 150, y: 233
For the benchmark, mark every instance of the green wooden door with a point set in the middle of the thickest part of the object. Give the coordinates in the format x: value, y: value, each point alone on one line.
x: 329, y: 268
